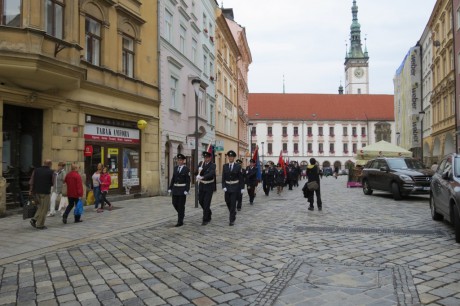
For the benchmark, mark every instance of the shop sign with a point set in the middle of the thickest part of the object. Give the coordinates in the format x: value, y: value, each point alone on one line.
x: 88, y: 150
x: 219, y: 146
x: 111, y: 133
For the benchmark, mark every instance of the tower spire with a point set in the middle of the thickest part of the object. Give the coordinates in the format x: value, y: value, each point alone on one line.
x: 356, y: 50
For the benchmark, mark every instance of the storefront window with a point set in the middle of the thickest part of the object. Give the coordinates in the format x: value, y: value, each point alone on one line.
x: 130, y: 167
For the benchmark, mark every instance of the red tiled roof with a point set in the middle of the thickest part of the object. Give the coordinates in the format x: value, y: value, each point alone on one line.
x: 334, y: 107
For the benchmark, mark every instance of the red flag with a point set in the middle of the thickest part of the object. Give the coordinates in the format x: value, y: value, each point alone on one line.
x: 281, y: 162
x: 209, y: 149
x: 255, y: 157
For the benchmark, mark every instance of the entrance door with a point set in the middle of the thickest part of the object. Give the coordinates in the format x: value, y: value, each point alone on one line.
x: 22, y: 143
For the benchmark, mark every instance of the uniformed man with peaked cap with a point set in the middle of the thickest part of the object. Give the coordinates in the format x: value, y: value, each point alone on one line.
x: 180, y: 187
x: 206, y: 177
x: 232, y: 184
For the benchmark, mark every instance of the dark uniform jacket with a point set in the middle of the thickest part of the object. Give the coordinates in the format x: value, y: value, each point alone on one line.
x: 292, y: 173
x: 251, y: 176
x: 180, y: 181
x: 268, y: 175
x: 279, y: 177
x: 208, y: 173
x: 232, y: 180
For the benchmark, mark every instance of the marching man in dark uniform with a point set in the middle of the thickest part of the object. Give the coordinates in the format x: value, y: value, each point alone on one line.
x: 180, y: 187
x: 268, y: 177
x: 205, y: 177
x: 232, y: 184
x: 239, y: 201
x: 251, y: 180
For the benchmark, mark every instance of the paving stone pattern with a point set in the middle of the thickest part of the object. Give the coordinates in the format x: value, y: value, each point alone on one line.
x: 135, y: 255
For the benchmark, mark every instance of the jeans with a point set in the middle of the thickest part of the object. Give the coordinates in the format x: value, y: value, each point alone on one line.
x: 97, y: 196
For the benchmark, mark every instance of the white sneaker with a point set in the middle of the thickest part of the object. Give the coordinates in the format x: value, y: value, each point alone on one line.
x: 50, y: 215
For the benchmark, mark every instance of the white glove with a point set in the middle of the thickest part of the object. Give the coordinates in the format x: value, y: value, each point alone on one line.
x: 198, y: 177
x: 185, y: 192
x: 247, y: 171
x: 199, y: 169
x: 225, y: 189
x: 169, y: 190
x: 242, y: 191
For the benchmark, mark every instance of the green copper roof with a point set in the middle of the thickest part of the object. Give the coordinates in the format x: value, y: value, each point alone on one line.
x: 356, y: 50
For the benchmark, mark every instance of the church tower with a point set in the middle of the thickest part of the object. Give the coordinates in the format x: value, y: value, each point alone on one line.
x: 356, y: 61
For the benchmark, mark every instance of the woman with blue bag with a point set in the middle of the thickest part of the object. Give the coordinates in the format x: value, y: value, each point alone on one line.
x: 74, y: 194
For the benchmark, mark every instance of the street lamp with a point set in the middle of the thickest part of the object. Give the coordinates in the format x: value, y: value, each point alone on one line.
x: 196, y: 86
x: 421, y: 115
x: 250, y: 140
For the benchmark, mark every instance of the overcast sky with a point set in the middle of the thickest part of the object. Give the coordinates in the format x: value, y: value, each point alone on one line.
x: 304, y: 40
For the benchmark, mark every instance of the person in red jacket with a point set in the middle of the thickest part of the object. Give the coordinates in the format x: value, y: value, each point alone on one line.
x: 74, y: 192
x: 105, y: 181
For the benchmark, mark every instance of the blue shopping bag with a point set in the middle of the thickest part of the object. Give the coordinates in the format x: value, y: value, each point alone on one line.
x: 78, y: 211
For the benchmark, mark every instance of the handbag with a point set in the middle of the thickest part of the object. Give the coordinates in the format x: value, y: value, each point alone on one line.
x: 78, y: 211
x: 29, y: 210
x: 63, y: 203
x: 313, y: 185
x: 90, y: 198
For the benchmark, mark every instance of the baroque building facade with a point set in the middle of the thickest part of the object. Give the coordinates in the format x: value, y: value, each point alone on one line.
x: 75, y: 78
x: 187, y: 52
x: 301, y: 126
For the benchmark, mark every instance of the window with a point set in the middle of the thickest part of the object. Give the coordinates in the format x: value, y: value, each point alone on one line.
x: 194, y: 46
x: 93, y: 40
x: 173, y: 86
x: 355, y: 147
x: 211, y: 69
x: 310, y: 147
x: 359, y: 91
x: 253, y: 147
x: 183, y: 35
x: 320, y: 147
x: 285, y: 131
x: 55, y: 18
x: 320, y: 131
x: 296, y: 148
x: 331, y: 148
x: 10, y: 13
x: 345, y: 148
x: 253, y: 131
x: 296, y: 131
x: 353, y: 131
x: 269, y: 131
x: 168, y: 25
x: 345, y: 131
x: 284, y: 147
x: 363, y: 131
x: 202, y: 107
x: 458, y: 19
x: 331, y: 131
x: 205, y: 63
x: 128, y: 56
x: 270, y: 148
x: 211, y: 114
x: 205, y: 22
x: 309, y: 131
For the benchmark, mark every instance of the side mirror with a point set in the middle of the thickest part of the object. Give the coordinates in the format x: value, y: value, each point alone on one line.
x: 384, y: 169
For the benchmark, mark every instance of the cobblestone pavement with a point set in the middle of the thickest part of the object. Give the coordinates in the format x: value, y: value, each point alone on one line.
x: 359, y: 250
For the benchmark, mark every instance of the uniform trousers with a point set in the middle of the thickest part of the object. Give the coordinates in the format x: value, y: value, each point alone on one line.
x: 42, y: 209
x: 230, y: 199
x: 239, y: 200
x: 179, y: 205
x: 204, y: 198
x: 251, y: 193
x: 267, y: 187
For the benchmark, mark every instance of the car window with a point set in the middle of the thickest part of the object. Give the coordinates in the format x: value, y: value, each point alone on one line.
x: 457, y: 167
x: 405, y: 163
x: 376, y: 164
x: 448, y: 167
x: 441, y: 166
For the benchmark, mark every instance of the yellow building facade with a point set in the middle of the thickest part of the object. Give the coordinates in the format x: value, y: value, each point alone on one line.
x: 442, y: 140
x: 75, y: 79
x: 226, y: 90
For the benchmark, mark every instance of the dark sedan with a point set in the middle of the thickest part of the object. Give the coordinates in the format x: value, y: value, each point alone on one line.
x: 445, y: 192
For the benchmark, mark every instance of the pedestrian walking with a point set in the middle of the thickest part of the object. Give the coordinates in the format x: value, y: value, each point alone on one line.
x: 205, y: 179
x: 96, y: 186
x: 232, y: 184
x: 40, y: 183
x: 336, y: 171
x: 268, y: 176
x: 313, y: 175
x: 292, y: 176
x: 251, y: 180
x: 239, y: 201
x: 179, y: 187
x: 280, y: 179
x: 56, y: 190
x: 104, y: 183
x: 74, y: 192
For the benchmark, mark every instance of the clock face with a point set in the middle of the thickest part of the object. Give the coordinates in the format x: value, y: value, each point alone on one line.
x: 359, y: 72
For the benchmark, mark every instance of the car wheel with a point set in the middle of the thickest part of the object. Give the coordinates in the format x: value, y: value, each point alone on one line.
x: 456, y: 223
x: 434, y: 214
x: 395, y: 190
x: 366, y: 188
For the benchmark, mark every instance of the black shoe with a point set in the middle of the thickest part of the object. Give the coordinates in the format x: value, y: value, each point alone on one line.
x: 204, y: 223
x: 311, y: 208
x: 41, y: 227
x: 78, y: 221
x: 320, y: 208
x: 64, y: 220
x: 238, y: 209
x: 33, y: 222
x: 252, y: 203
x: 231, y: 224
x: 179, y: 224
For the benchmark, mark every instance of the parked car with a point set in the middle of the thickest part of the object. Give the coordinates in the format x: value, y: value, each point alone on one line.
x: 400, y: 176
x: 445, y: 192
x: 327, y: 171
